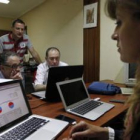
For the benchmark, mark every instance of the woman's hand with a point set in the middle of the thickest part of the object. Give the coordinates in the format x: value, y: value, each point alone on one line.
x: 84, y: 130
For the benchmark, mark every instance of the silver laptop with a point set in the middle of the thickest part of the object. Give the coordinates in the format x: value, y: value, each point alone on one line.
x: 76, y: 100
x: 16, y: 116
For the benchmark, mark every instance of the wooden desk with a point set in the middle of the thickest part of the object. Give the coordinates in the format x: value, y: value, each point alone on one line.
x: 53, y: 109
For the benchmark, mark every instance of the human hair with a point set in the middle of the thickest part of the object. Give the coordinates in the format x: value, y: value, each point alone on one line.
x: 112, y: 5
x: 17, y: 21
x: 133, y: 114
x: 51, y: 49
x: 5, y: 55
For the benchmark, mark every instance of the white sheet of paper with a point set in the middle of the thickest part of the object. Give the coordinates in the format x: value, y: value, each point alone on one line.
x: 5, y: 80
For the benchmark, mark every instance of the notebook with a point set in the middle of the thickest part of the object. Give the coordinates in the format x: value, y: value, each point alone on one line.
x: 15, y: 111
x: 127, y: 91
x: 76, y: 100
x: 57, y: 74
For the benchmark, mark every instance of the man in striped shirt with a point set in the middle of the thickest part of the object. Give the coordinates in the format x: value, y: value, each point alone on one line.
x: 18, y: 42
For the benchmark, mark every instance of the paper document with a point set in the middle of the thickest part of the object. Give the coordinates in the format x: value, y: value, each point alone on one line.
x: 5, y: 80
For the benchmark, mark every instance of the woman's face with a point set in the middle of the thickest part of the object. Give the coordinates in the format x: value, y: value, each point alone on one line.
x: 127, y: 35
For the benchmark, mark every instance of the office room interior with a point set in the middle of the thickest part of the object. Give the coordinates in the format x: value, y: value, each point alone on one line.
x: 60, y: 23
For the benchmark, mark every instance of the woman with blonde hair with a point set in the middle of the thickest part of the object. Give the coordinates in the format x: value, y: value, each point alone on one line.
x: 127, y: 34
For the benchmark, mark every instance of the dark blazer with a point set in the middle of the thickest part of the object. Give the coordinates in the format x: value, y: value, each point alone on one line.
x: 136, y: 133
x: 119, y: 134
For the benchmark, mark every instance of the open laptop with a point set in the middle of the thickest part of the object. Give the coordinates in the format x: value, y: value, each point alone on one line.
x: 76, y: 100
x: 15, y: 113
x: 57, y: 74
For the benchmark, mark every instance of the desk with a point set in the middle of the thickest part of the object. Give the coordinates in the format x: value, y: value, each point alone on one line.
x: 53, y: 109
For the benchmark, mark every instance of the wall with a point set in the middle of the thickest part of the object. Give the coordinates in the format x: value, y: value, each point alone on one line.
x: 110, y: 65
x: 60, y: 23
x: 5, y: 23
x: 57, y: 23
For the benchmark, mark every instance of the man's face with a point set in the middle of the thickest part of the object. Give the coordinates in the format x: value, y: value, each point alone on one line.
x: 11, y: 68
x: 18, y: 31
x: 53, y: 58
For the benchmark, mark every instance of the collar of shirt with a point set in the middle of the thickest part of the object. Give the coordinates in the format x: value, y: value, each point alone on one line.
x: 11, y: 38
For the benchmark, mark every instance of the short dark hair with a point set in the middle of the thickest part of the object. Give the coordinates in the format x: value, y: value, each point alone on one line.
x: 5, y: 55
x: 17, y: 21
x: 51, y: 48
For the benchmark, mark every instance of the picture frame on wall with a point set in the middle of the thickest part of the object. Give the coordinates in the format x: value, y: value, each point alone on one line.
x: 90, y: 15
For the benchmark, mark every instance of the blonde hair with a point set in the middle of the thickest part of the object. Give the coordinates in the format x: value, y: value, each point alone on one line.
x: 133, y: 112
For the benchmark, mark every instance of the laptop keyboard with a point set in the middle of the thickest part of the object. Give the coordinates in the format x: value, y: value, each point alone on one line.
x: 83, y: 109
x: 24, y: 130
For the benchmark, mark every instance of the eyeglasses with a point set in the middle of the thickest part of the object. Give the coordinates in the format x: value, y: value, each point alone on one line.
x: 14, y: 66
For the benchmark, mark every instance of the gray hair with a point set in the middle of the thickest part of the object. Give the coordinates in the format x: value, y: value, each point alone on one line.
x: 5, y: 55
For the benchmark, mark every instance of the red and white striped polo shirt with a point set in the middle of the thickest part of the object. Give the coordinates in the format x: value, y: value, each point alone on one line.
x: 20, y: 46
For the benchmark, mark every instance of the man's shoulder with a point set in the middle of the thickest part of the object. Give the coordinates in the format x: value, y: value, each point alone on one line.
x: 25, y: 36
x: 43, y: 65
x: 4, y: 37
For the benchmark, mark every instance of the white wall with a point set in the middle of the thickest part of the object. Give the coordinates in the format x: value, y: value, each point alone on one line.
x: 58, y: 23
x: 110, y: 65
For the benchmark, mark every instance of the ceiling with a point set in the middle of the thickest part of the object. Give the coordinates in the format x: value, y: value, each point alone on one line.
x: 17, y: 8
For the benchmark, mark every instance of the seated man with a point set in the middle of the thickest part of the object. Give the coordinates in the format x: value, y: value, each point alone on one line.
x: 10, y: 66
x: 52, y: 60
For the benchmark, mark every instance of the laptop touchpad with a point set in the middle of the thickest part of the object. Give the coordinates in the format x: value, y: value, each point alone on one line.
x: 42, y: 134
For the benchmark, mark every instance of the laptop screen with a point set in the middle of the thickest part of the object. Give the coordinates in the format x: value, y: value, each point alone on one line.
x: 12, y: 103
x: 73, y: 92
x: 61, y: 73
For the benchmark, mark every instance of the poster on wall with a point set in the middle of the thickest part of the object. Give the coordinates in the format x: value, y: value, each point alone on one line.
x: 90, y: 15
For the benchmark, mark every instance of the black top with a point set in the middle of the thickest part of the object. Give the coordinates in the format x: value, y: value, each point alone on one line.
x: 136, y: 134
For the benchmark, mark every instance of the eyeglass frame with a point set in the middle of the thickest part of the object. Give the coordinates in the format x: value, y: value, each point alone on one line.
x: 14, y: 66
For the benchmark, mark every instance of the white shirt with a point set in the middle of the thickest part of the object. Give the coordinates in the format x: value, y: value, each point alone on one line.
x: 42, y: 73
x: 111, y: 133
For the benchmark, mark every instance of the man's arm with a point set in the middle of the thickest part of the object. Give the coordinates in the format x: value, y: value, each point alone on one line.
x: 40, y: 87
x: 39, y: 78
x: 35, y: 55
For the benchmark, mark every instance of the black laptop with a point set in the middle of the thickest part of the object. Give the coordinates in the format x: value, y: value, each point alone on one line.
x: 58, y: 74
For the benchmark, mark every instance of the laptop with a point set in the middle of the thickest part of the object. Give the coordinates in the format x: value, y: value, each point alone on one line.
x: 57, y: 74
x: 15, y: 113
x: 76, y: 100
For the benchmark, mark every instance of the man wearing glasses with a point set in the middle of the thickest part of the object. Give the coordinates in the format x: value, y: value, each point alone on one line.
x: 10, y: 66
